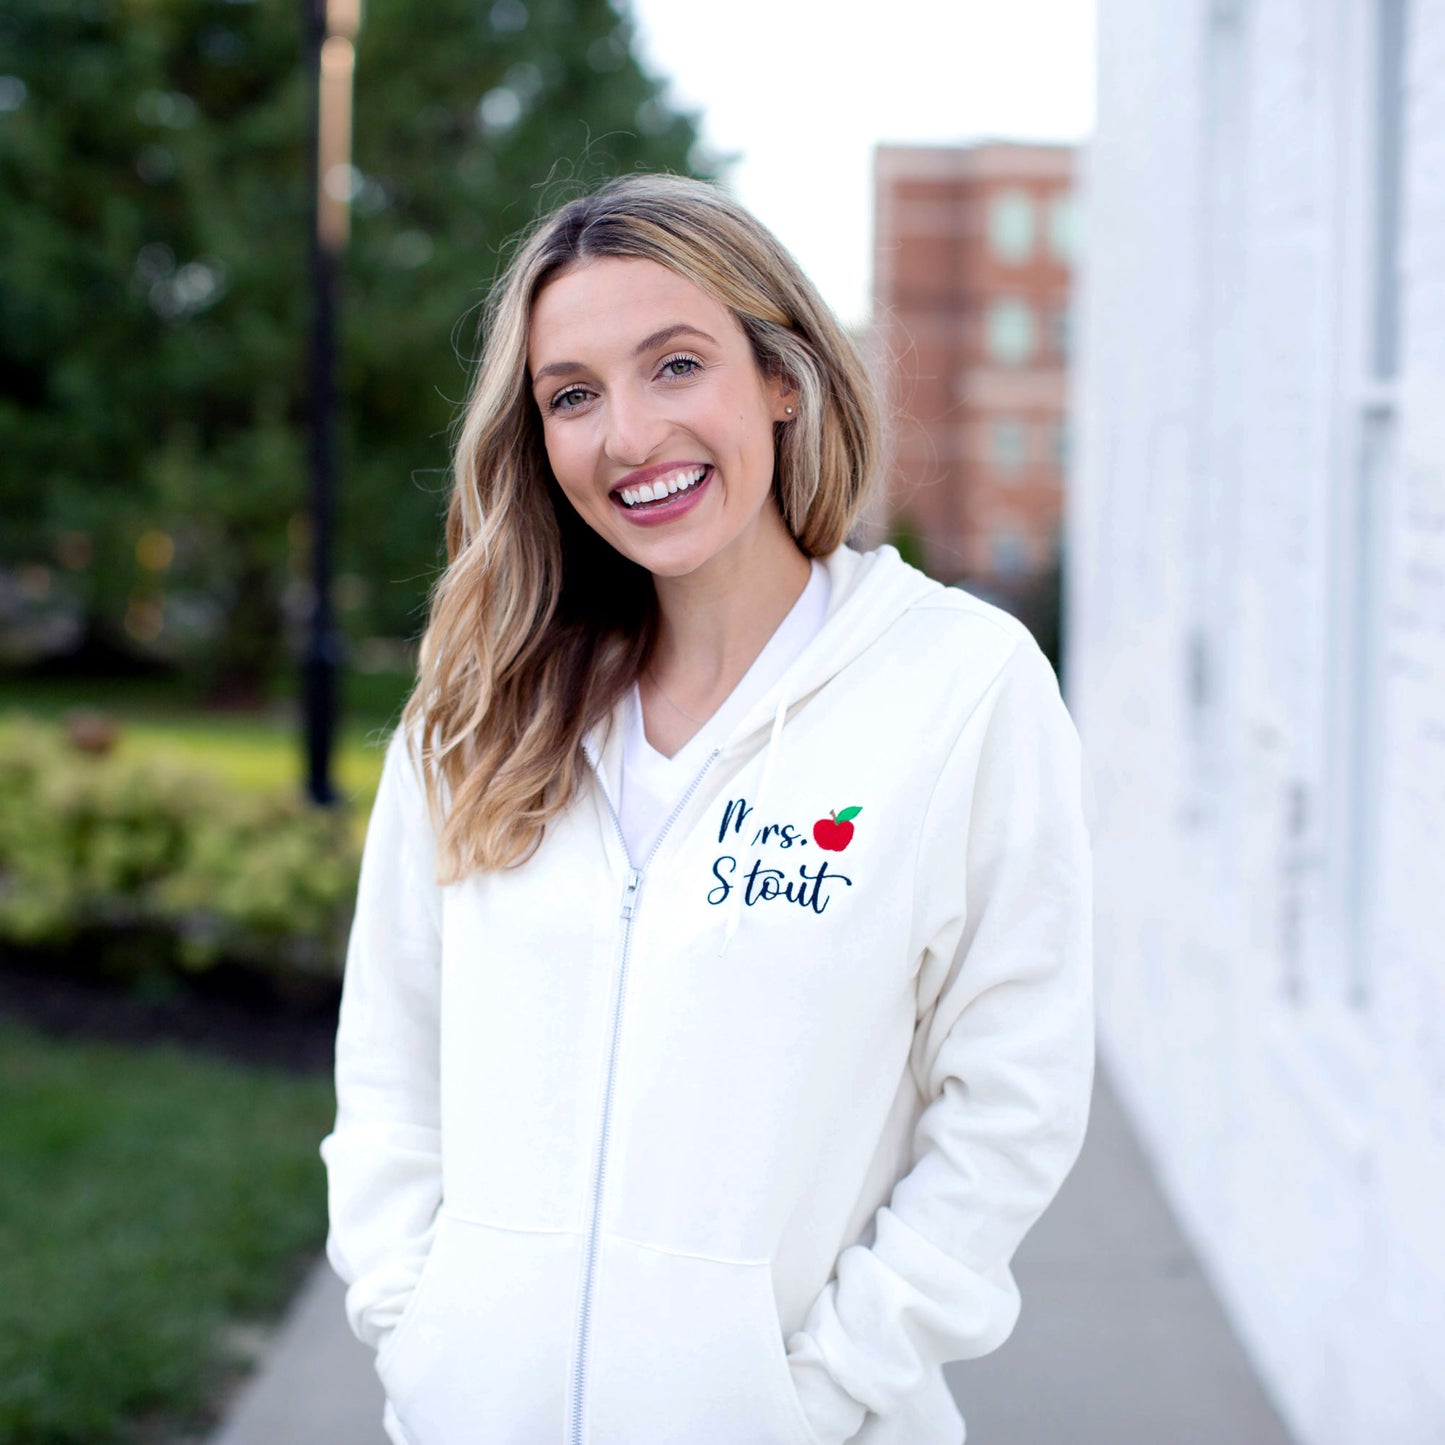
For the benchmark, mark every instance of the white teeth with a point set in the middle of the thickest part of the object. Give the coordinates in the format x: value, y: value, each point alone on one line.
x: 663, y: 487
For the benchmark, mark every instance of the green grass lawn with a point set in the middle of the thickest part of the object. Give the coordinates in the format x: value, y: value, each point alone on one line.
x: 150, y: 1200
x: 257, y: 754
x: 257, y: 751
x: 153, y: 1200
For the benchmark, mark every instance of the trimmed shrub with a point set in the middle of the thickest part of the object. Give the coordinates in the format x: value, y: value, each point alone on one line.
x: 149, y: 849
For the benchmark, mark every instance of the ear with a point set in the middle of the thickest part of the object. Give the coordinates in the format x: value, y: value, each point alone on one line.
x: 783, y: 393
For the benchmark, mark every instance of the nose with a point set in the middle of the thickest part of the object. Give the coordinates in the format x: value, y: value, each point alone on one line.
x: 635, y: 429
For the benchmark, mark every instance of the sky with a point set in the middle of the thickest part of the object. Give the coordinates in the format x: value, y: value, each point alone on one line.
x: 802, y: 92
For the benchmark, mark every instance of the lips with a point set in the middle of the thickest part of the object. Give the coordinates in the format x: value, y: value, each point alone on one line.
x: 658, y: 485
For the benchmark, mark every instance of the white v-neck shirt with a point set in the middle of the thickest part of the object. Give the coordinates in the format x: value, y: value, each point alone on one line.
x: 652, y: 783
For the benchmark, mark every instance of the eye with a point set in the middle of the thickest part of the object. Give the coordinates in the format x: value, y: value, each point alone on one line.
x: 679, y: 366
x: 569, y: 399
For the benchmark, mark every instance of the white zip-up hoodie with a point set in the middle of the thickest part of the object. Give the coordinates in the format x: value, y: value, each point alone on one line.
x: 731, y: 1145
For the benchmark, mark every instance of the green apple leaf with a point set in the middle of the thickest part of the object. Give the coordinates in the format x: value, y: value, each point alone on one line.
x: 845, y: 814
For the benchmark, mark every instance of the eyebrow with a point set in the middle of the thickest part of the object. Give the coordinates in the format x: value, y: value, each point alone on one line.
x: 648, y: 343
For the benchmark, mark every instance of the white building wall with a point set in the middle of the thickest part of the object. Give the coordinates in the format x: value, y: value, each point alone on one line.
x: 1256, y: 656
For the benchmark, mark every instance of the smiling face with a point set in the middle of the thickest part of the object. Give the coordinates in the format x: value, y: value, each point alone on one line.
x: 657, y: 419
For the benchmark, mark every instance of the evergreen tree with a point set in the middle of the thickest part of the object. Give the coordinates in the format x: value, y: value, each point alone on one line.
x: 154, y: 286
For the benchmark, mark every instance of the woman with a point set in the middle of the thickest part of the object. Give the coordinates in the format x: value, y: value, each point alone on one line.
x: 717, y: 1012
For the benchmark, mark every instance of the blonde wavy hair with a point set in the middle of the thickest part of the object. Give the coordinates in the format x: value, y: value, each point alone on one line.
x: 537, y: 626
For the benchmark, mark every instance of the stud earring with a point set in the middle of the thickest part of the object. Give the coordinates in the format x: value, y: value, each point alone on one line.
x: 789, y: 410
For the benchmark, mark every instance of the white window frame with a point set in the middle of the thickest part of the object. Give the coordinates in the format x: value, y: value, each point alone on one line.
x: 1326, y: 1046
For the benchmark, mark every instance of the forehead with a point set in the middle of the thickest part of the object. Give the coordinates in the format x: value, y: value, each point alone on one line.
x: 607, y: 305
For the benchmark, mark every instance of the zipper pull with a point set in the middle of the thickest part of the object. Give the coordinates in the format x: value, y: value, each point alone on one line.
x: 629, y: 896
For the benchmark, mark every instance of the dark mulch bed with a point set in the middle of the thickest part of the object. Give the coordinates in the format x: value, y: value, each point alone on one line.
x: 228, y: 1013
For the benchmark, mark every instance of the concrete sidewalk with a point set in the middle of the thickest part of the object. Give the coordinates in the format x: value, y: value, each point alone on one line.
x: 1120, y: 1341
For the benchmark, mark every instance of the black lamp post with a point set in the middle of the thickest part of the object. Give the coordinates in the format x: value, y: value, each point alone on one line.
x: 331, y: 27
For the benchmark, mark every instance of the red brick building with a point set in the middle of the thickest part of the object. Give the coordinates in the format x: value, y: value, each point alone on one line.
x: 973, y: 252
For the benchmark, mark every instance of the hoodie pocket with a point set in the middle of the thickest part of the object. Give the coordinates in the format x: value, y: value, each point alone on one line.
x: 481, y: 1351
x: 688, y: 1351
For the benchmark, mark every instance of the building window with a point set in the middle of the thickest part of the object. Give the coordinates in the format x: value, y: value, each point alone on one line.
x: 1009, y: 552
x: 1011, y: 332
x: 1008, y: 445
x: 1064, y: 228
x: 1059, y: 324
x: 1011, y: 226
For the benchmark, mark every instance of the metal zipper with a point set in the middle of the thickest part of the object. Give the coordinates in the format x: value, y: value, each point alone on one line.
x: 630, y: 899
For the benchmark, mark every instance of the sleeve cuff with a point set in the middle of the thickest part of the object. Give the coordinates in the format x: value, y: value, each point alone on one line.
x: 833, y: 1414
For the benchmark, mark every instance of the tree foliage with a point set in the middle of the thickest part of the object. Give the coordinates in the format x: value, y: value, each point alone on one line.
x: 155, y: 291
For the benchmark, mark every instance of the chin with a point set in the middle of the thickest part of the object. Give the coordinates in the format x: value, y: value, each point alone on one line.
x: 673, y: 562
x: 671, y: 556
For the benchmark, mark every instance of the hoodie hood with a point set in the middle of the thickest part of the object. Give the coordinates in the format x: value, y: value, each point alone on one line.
x: 869, y: 592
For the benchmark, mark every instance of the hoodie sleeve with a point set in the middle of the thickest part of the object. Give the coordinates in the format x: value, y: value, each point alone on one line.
x: 1003, y: 1055
x: 383, y: 1158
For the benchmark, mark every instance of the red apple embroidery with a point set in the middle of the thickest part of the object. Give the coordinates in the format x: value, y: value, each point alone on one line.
x: 835, y: 832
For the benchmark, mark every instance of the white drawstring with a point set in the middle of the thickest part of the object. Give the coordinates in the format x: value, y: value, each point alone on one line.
x: 735, y: 902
